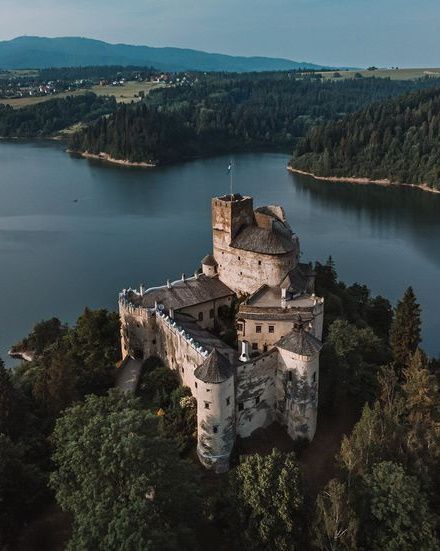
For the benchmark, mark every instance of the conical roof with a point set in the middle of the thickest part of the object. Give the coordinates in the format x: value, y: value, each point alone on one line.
x: 215, y: 369
x: 300, y: 342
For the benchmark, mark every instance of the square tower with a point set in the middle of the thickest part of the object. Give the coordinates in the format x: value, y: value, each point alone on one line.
x: 229, y: 216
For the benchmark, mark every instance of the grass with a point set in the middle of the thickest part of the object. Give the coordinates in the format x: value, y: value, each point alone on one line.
x: 123, y: 94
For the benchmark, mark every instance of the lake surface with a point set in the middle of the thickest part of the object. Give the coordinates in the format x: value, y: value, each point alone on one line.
x: 74, y: 232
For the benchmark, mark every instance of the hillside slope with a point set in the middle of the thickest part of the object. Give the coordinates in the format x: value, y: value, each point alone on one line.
x: 221, y: 114
x: 398, y: 140
x: 37, y: 52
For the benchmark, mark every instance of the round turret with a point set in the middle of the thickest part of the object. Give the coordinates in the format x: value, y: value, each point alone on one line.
x: 215, y: 412
x: 209, y: 266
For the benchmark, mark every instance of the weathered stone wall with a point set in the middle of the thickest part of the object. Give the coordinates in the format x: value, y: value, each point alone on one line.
x: 245, y: 272
x: 215, y: 424
x: 256, y: 393
x: 138, y: 331
x: 297, y: 394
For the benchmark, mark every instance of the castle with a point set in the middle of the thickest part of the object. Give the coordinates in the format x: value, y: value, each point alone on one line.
x: 253, y: 279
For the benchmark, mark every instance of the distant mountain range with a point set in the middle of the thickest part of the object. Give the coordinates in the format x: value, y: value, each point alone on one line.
x: 32, y: 52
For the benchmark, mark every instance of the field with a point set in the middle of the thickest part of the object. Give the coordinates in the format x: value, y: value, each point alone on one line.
x: 393, y: 74
x: 123, y: 94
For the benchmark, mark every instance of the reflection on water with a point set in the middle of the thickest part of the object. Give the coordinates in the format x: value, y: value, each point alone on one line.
x: 73, y: 232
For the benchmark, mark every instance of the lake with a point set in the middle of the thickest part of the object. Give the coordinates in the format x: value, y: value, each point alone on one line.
x: 74, y: 232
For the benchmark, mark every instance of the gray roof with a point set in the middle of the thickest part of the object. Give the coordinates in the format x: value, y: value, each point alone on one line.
x: 278, y: 240
x: 215, y: 369
x: 209, y: 260
x: 186, y: 293
x: 300, y: 342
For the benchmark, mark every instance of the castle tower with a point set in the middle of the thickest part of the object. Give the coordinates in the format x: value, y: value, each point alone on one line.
x: 215, y: 412
x: 298, y: 379
x: 229, y: 215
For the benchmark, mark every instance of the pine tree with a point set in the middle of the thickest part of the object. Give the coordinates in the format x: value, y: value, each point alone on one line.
x: 8, y: 403
x: 405, y: 329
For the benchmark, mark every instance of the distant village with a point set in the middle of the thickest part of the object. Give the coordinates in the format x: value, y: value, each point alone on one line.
x: 16, y: 85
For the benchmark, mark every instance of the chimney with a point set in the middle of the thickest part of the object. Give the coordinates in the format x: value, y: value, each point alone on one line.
x: 244, y: 352
x: 171, y: 313
x: 183, y: 277
x: 196, y: 274
x: 168, y: 284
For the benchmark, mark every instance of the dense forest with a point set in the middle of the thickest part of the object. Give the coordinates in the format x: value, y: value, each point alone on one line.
x: 221, y: 113
x: 83, y: 464
x: 397, y: 139
x: 47, y: 118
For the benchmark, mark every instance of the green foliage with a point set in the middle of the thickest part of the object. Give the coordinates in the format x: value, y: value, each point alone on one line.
x: 49, y: 117
x: 180, y: 419
x: 397, y: 139
x: 335, y: 523
x: 157, y: 386
x: 125, y: 486
x: 358, y: 354
x: 405, y: 333
x: 224, y: 112
x: 81, y: 361
x: 398, y: 517
x: 267, y: 502
x: 21, y: 490
x: 11, y: 417
x: 43, y: 334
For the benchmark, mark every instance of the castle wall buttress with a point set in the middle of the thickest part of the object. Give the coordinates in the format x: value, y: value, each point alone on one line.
x: 297, y: 394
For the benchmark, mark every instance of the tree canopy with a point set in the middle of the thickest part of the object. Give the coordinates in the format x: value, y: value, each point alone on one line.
x: 125, y: 486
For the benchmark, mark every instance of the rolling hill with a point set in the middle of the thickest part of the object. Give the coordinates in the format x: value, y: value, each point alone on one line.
x: 31, y: 52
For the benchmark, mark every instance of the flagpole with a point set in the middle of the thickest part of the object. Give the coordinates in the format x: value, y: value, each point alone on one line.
x: 230, y: 176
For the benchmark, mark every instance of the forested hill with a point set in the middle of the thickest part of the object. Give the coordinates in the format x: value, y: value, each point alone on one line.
x: 48, y: 118
x: 222, y: 113
x: 398, y: 139
x: 35, y: 52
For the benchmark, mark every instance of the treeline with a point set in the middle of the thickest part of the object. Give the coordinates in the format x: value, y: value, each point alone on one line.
x: 221, y: 113
x: 47, y: 118
x: 398, y: 139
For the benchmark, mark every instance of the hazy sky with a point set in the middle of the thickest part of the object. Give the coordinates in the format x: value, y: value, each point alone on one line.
x: 336, y: 32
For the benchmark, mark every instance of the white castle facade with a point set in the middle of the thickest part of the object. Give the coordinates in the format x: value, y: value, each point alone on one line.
x: 255, y: 282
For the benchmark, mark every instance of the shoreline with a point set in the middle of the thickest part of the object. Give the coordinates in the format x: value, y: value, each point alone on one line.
x: 105, y: 157
x: 363, y: 181
x: 26, y: 356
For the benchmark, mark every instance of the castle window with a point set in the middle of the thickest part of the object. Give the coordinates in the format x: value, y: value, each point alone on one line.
x: 265, y: 348
x: 215, y: 429
x: 259, y: 263
x: 239, y: 327
x: 240, y: 406
x: 254, y: 346
x: 271, y: 329
x: 257, y: 400
x: 154, y: 341
x: 314, y: 377
x: 195, y: 384
x: 183, y: 370
x: 200, y: 316
x: 289, y: 376
x: 211, y: 313
x: 207, y: 405
x: 228, y: 401
x: 258, y: 328
x: 239, y: 258
x: 241, y: 273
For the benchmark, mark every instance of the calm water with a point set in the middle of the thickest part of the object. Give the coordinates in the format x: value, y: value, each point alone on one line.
x: 131, y: 226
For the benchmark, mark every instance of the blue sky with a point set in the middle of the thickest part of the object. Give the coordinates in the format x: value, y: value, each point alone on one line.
x: 336, y: 32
